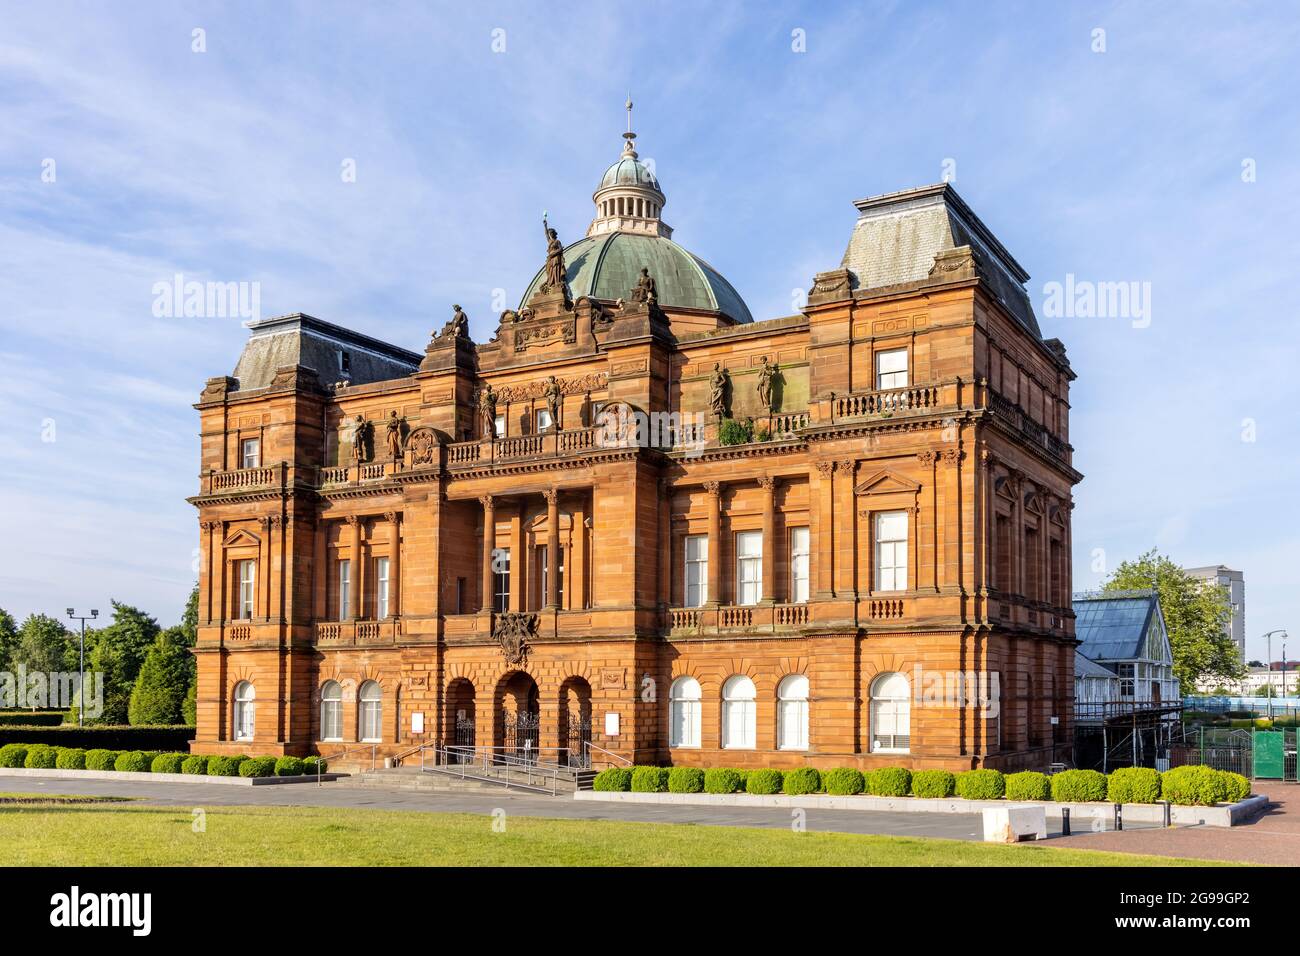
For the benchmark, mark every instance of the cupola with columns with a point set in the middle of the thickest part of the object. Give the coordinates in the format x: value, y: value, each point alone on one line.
x: 628, y: 198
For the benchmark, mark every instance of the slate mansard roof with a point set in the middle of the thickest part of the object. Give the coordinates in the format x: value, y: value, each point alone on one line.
x: 298, y: 339
x: 898, y: 234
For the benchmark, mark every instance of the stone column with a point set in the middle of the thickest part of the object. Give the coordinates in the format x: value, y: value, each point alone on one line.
x: 714, y: 489
x: 395, y: 565
x: 552, y: 548
x: 769, y: 539
x: 489, y: 540
x: 354, y: 569
x: 824, y: 532
x: 845, y: 531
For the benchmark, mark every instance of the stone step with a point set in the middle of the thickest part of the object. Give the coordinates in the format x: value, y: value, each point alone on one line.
x: 412, y: 778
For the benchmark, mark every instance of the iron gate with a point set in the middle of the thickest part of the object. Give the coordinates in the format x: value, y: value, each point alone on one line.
x: 576, y: 752
x: 523, y: 734
x: 464, y: 738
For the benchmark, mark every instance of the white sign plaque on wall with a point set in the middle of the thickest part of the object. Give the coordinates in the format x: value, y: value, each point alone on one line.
x: 611, y: 724
x: 417, y: 722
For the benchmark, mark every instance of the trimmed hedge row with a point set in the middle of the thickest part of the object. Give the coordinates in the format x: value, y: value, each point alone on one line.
x: 1183, y: 785
x: 45, y: 757
x: 30, y: 718
x: 163, y: 738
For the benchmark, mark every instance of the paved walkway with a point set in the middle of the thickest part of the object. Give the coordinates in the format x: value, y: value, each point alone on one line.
x: 1272, y: 838
x: 953, y: 826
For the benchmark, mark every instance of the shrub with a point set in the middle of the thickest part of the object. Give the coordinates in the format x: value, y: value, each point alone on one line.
x: 225, y: 766
x: 933, y: 783
x: 843, y: 781
x: 310, y: 765
x: 13, y: 755
x: 98, y: 736
x: 195, y: 765
x: 981, y: 785
x: 71, y: 758
x: 100, y: 759
x: 1028, y: 785
x: 744, y: 778
x: 1078, y: 786
x: 650, y: 779
x: 1195, y: 786
x: 290, y: 767
x: 132, y: 761
x: 722, y: 780
x: 40, y: 757
x: 30, y: 718
x: 685, y: 780
x: 732, y: 432
x: 801, y: 780
x: 1238, y: 786
x: 888, y: 782
x: 763, y: 782
x: 613, y: 779
x: 1133, y: 785
x: 257, y: 767
x: 167, y: 763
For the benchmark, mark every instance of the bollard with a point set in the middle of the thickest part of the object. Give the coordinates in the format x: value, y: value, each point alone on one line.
x: 1065, y: 821
x: 1168, y: 813
x: 1119, y: 816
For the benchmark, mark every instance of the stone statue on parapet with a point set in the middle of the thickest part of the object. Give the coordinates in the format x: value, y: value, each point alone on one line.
x: 646, y: 292
x: 718, y: 391
x: 487, y: 410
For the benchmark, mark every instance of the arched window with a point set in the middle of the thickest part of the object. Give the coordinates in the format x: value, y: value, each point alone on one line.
x: 245, y: 698
x: 331, y: 711
x: 739, y: 726
x: 891, y: 713
x: 684, y: 713
x: 792, y: 713
x: 370, y: 713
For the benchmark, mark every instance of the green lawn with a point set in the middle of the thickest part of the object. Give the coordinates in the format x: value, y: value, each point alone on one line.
x: 106, y: 835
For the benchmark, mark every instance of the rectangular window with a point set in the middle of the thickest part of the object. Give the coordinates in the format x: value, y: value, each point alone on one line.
x: 891, y: 551
x: 799, y: 546
x: 460, y: 595
x: 345, y: 588
x: 381, y: 588
x: 499, y: 426
x: 1002, y: 549
x: 749, y: 567
x: 501, y: 561
x: 543, y: 420
x: 1033, y: 564
x: 251, y: 454
x: 891, y: 369
x: 697, y: 570
x: 247, y: 588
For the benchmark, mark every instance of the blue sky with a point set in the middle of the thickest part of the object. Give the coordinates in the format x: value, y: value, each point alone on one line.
x: 1122, y: 165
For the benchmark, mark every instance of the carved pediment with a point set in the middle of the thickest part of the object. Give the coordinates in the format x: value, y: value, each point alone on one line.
x: 885, y: 482
x: 241, y: 538
x: 1034, y: 503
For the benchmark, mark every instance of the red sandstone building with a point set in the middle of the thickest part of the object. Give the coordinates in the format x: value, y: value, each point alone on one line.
x: 477, y: 545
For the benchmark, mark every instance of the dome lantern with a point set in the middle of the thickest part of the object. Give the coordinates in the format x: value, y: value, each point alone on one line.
x: 628, y: 198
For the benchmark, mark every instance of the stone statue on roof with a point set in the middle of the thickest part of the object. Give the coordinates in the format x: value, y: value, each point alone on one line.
x: 645, y: 292
x: 487, y: 410
x: 556, y: 277
x: 765, y: 376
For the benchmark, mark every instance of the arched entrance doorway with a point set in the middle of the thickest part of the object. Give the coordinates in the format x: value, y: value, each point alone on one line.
x: 460, y: 731
x: 575, y: 722
x: 519, y: 706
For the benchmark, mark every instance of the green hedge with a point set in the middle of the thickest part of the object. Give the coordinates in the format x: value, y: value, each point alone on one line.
x: 763, y: 782
x: 888, y: 782
x: 168, y: 763
x: 613, y: 780
x: 290, y: 767
x: 1028, y: 785
x: 13, y: 755
x: 41, y: 757
x: 650, y: 779
x: 100, y: 759
x: 30, y: 718
x: 1133, y: 785
x: 801, y: 780
x: 107, y: 737
x: 723, y: 780
x: 843, y: 781
x: 981, y: 785
x: 933, y: 783
x: 312, y: 765
x: 1202, y: 786
x: 71, y: 758
x: 132, y: 761
x: 257, y: 767
x: 225, y: 766
x: 196, y: 765
x: 685, y: 780
x: 1238, y: 786
x: 1078, y: 786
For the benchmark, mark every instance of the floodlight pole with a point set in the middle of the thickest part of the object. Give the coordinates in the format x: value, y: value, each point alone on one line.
x: 81, y: 684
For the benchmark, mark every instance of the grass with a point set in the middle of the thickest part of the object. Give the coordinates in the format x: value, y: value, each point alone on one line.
x: 54, y: 799
x: 91, y: 835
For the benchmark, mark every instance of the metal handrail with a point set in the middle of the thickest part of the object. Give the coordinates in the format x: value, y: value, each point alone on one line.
x: 500, y: 762
x: 589, y: 746
x: 344, y: 753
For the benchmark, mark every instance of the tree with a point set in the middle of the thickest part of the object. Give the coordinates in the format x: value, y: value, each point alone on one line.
x: 160, y: 688
x: 190, y: 618
x: 118, y: 653
x: 8, y: 639
x: 190, y: 706
x: 1196, y: 614
x: 44, y: 645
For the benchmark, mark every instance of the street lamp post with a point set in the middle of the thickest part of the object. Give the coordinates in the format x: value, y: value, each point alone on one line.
x: 81, y: 682
x: 1269, y: 639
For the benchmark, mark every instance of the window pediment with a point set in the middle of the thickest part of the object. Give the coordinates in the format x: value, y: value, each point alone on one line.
x: 243, y: 538
x: 886, y: 482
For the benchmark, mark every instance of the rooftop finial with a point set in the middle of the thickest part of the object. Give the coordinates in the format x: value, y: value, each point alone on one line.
x: 629, y: 149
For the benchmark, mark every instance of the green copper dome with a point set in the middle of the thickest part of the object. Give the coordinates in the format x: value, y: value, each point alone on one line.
x: 629, y: 171
x: 607, y: 267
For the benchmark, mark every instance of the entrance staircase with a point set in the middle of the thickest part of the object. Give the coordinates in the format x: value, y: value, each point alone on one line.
x: 462, y: 768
